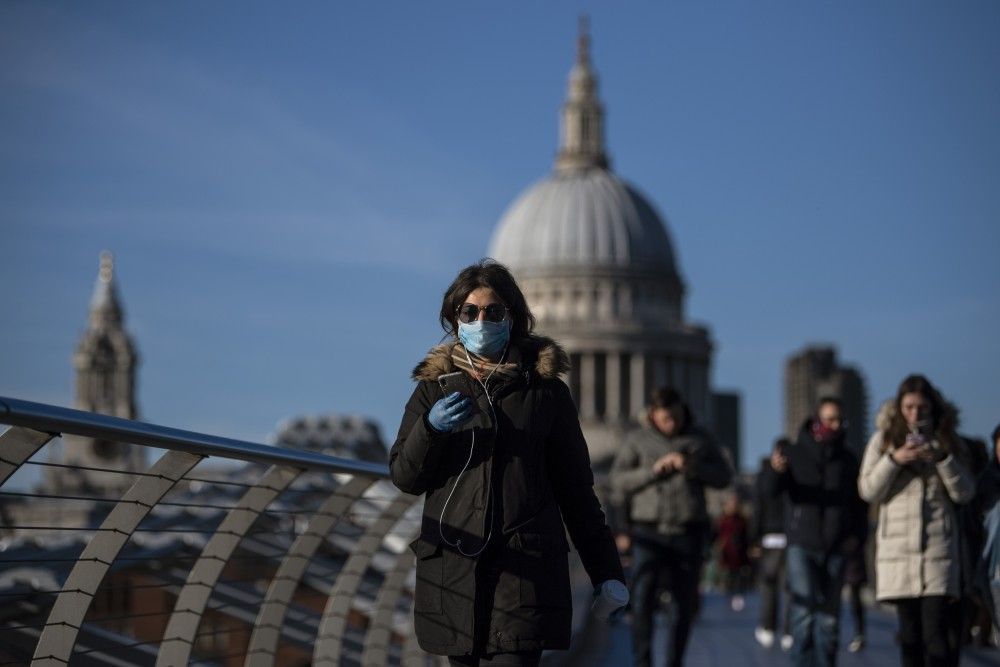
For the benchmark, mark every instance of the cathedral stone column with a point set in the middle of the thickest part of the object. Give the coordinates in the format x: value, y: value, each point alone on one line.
x: 606, y: 301
x: 699, y: 390
x: 588, y: 386
x: 679, y: 380
x: 613, y: 386
x: 637, y: 382
x: 660, y: 371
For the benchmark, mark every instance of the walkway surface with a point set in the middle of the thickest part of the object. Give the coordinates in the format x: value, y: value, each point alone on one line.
x: 724, y: 638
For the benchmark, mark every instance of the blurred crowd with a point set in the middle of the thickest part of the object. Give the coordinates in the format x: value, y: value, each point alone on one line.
x: 912, y: 525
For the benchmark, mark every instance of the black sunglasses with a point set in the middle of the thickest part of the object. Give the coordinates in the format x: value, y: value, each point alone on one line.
x: 494, y: 312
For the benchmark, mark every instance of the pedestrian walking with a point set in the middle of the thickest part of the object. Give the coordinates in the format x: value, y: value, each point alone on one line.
x: 490, y: 437
x: 916, y: 470
x: 817, y: 476
x: 661, y: 472
x: 855, y: 578
x: 732, y: 547
x: 988, y: 501
x: 768, y: 540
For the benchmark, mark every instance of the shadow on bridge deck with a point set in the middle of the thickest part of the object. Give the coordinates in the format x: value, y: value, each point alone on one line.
x: 722, y: 638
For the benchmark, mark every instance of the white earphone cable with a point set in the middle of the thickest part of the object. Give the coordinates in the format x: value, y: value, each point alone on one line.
x: 472, y: 448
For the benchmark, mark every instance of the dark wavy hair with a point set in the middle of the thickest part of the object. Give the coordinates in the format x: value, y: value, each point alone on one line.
x: 943, y: 415
x: 494, y: 275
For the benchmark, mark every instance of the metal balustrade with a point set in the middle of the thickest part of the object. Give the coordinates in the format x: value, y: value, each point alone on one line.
x: 222, y: 552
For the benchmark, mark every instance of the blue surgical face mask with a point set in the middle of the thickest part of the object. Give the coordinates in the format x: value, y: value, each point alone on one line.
x: 484, y: 338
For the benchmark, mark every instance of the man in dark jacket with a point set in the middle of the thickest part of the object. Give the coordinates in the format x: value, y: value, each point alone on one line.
x: 660, y: 473
x: 824, y: 520
x: 767, y: 535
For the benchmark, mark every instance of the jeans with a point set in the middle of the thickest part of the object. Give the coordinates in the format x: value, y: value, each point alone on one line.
x: 995, y: 591
x: 815, y: 579
x: 857, y: 609
x: 673, y: 563
x: 772, y: 582
x: 929, y: 629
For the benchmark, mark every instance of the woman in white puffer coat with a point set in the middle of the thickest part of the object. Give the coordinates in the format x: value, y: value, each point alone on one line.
x: 916, y: 470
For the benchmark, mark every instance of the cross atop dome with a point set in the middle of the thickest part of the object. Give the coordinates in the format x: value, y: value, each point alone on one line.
x: 582, y: 123
x: 583, y: 41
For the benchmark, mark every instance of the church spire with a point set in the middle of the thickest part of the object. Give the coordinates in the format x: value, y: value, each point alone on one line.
x: 105, y: 307
x: 105, y: 357
x: 105, y: 360
x: 582, y: 122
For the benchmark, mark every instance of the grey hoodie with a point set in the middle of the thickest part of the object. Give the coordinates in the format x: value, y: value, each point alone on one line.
x: 677, y: 501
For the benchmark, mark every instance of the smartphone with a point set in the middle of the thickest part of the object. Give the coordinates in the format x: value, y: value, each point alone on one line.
x: 452, y: 382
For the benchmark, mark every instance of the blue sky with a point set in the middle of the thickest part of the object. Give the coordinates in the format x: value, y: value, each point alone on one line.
x: 288, y: 189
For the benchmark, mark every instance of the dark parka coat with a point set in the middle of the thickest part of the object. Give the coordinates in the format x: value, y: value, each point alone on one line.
x: 823, y: 509
x: 539, y: 470
x: 768, y: 512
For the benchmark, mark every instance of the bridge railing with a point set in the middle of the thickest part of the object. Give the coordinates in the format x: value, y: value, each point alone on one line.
x: 221, y: 552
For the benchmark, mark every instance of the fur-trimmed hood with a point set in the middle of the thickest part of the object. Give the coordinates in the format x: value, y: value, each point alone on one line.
x: 545, y: 356
x: 885, y: 414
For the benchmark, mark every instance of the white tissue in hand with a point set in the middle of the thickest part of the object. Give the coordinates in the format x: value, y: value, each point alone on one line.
x: 609, y: 598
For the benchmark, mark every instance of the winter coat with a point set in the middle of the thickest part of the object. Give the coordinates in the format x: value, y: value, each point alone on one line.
x: 768, y: 512
x: 674, y: 503
x: 917, y: 542
x: 822, y: 508
x: 732, y: 542
x: 539, y: 470
x: 987, y: 574
x: 988, y: 507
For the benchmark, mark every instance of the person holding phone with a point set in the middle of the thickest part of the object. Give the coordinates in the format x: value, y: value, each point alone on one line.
x: 490, y: 437
x: 916, y: 470
x: 660, y: 475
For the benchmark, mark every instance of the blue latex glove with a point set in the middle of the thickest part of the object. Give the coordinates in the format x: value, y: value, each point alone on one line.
x: 449, y: 412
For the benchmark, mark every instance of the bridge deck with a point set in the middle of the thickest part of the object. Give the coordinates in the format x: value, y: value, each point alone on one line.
x: 722, y: 638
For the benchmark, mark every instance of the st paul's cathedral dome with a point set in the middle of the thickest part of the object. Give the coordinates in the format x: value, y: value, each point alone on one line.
x: 600, y: 272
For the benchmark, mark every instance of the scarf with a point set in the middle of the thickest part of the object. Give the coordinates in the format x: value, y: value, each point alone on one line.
x: 482, y: 368
x: 821, y: 432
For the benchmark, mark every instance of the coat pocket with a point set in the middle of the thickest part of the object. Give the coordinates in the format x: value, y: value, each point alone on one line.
x: 430, y: 576
x: 543, y: 570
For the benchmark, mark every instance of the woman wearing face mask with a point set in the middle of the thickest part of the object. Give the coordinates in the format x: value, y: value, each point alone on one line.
x: 916, y: 470
x: 505, y: 472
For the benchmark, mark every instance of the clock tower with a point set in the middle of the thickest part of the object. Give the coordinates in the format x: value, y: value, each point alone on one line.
x: 105, y: 362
